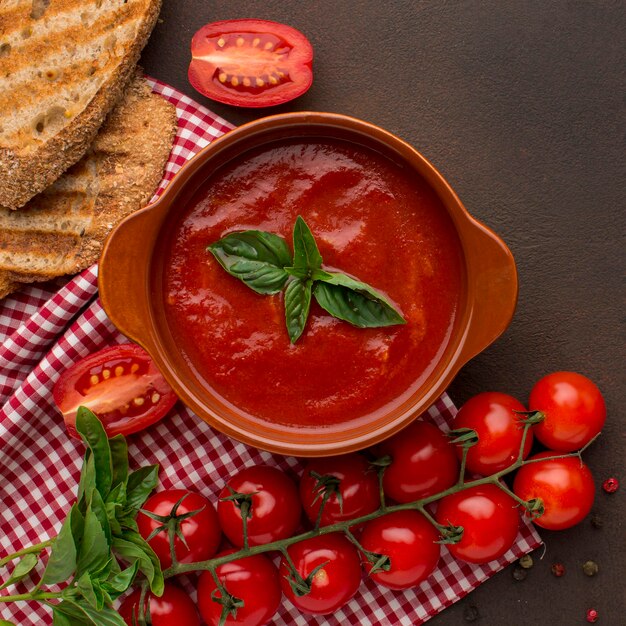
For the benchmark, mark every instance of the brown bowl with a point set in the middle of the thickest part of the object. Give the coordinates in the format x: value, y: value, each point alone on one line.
x: 131, y: 271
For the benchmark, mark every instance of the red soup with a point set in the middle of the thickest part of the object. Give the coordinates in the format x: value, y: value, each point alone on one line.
x: 372, y: 219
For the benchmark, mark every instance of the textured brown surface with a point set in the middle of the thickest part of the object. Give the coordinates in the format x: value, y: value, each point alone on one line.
x: 521, y: 106
x: 28, y: 164
x: 61, y: 230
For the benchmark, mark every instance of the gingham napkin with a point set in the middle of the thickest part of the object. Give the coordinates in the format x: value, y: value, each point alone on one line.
x: 46, y: 328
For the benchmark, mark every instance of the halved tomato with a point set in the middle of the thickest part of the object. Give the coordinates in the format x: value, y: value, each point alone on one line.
x: 120, y: 384
x: 250, y: 63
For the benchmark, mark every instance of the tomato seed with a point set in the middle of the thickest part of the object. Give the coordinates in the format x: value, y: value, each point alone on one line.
x: 119, y: 370
x: 93, y: 379
x: 106, y: 374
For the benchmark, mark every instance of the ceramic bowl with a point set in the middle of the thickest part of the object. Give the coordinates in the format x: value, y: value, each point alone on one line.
x: 131, y: 272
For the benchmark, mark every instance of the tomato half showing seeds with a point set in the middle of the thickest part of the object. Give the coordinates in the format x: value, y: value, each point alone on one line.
x: 120, y: 384
x: 410, y: 542
x: 250, y: 63
x: 493, y: 416
x: 565, y: 487
x: 173, y: 608
x: 274, y: 511
x: 423, y: 463
x: 490, y: 521
x: 201, y: 532
x: 351, y: 483
x: 253, y: 580
x: 336, y: 581
x: 574, y: 410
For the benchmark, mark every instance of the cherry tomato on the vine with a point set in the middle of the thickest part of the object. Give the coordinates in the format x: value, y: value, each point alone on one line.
x: 424, y: 462
x: 275, y: 506
x: 574, y: 410
x: 254, y: 580
x: 493, y: 416
x: 334, y: 584
x: 173, y: 608
x: 565, y: 487
x: 354, y: 495
x: 120, y: 384
x: 201, y: 531
x: 490, y: 521
x: 410, y: 542
x: 250, y: 63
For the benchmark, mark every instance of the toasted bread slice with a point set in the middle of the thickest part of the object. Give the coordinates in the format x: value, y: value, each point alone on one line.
x: 61, y: 230
x: 63, y: 66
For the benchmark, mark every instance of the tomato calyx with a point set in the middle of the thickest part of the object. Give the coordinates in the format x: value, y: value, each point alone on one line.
x: 299, y: 585
x: 530, y: 417
x: 326, y: 486
x: 380, y: 562
x: 450, y: 534
x: 535, y: 508
x: 465, y: 438
x: 230, y: 603
x: 243, y: 501
x: 171, y: 524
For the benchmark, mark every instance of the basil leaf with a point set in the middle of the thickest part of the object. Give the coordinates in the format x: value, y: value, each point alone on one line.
x: 99, y: 510
x: 305, y: 252
x: 94, y: 435
x: 77, y: 610
x: 133, y: 548
x: 94, y: 550
x: 87, y: 483
x: 118, y: 584
x: 65, y: 614
x: 4, y: 622
x: 141, y: 482
x: 62, y: 561
x: 255, y: 257
x: 297, y: 305
x: 355, y: 302
x: 91, y: 591
x: 21, y: 570
x: 119, y: 460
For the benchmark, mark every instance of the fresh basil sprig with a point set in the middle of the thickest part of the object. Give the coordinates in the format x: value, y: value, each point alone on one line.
x: 263, y: 261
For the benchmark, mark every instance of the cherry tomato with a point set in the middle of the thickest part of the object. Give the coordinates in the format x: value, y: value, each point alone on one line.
x: 334, y: 584
x: 499, y: 429
x: 201, y: 531
x: 173, y: 608
x: 250, y: 63
x: 357, y: 489
x: 574, y: 410
x: 490, y: 521
x: 564, y: 485
x: 253, y: 580
x: 275, y: 511
x: 424, y: 462
x: 409, y: 540
x: 120, y: 384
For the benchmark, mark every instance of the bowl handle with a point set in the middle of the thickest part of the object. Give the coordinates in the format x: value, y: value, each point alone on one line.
x: 124, y: 272
x: 495, y: 291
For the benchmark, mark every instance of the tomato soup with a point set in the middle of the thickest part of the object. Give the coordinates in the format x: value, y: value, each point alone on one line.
x: 372, y: 218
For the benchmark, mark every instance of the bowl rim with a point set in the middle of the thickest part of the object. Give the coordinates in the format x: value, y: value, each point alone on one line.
x: 459, y: 348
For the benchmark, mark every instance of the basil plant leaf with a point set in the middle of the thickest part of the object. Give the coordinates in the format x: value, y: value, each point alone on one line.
x: 62, y: 561
x: 95, y: 551
x: 305, y: 252
x: 21, y: 570
x: 94, y: 435
x: 4, y: 622
x: 119, y: 460
x: 355, y: 302
x: 66, y: 614
x: 255, y: 257
x: 141, y: 482
x: 297, y: 305
x: 132, y: 547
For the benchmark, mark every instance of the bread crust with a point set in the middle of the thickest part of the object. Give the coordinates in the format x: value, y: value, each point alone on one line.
x: 23, y: 176
x: 62, y: 230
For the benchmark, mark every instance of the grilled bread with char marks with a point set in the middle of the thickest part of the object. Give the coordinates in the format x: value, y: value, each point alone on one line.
x: 63, y: 66
x: 61, y: 230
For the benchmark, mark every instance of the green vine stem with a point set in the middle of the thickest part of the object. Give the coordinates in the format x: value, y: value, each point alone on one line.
x: 35, y: 549
x: 343, y: 527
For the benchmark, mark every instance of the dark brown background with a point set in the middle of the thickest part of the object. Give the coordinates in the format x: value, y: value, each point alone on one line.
x: 521, y: 106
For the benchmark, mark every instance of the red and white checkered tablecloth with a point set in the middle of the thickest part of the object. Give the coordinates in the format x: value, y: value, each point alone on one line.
x: 45, y: 328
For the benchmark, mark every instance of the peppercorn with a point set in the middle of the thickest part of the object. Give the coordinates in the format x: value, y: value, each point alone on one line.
x: 610, y: 485
x: 592, y: 615
x: 558, y: 569
x: 590, y: 568
x: 519, y: 573
x: 597, y: 521
x: 526, y: 561
x: 471, y: 613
